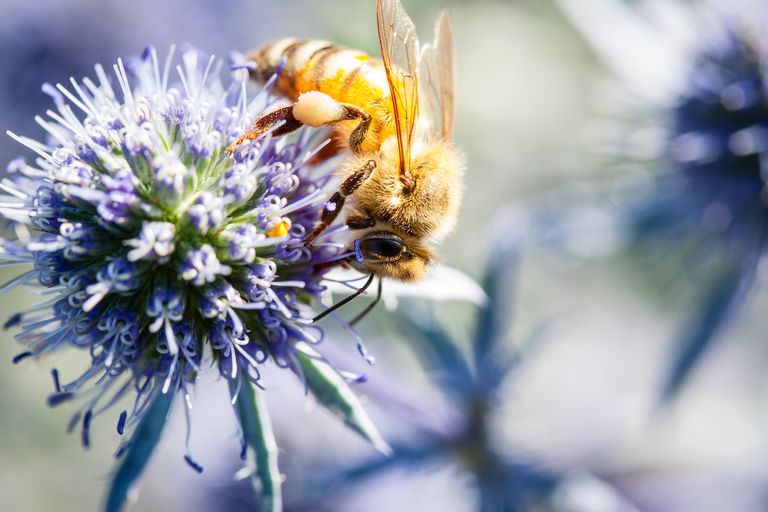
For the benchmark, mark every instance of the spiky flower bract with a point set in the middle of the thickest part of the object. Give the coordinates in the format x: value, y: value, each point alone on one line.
x: 698, y: 115
x: 158, y: 251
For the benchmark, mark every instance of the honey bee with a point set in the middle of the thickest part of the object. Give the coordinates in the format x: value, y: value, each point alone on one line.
x: 392, y: 120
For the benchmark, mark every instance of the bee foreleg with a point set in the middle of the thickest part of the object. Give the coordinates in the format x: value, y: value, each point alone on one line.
x: 333, y: 206
x: 360, y: 221
x: 266, y: 122
x: 357, y: 178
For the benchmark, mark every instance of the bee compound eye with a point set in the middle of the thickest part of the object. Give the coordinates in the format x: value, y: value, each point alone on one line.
x: 385, y: 248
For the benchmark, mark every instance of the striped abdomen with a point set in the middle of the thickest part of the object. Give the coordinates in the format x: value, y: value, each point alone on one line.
x: 347, y: 75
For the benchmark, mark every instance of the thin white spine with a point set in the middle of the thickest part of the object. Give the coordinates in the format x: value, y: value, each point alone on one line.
x: 31, y: 144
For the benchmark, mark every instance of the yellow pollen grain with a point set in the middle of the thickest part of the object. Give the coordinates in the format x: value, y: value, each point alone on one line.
x: 280, y: 229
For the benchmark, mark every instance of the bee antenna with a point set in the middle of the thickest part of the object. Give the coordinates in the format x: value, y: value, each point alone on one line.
x: 370, y: 306
x: 346, y: 300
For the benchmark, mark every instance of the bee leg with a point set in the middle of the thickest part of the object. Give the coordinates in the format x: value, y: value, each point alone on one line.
x: 357, y: 178
x: 360, y: 221
x: 330, y: 211
x: 333, y: 206
x: 266, y: 122
x: 357, y: 136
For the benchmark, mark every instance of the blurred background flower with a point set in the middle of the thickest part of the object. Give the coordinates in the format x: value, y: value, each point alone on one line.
x: 690, y: 132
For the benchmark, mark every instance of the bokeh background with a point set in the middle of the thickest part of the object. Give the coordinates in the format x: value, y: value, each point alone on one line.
x: 583, y: 404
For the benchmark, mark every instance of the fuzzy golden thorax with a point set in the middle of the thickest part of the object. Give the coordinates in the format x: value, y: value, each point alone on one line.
x: 403, y: 222
x: 430, y: 209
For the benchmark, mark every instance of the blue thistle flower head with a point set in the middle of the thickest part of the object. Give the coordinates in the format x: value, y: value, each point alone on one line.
x: 718, y: 137
x: 701, y: 73
x: 713, y: 188
x: 157, y: 250
x: 697, y: 115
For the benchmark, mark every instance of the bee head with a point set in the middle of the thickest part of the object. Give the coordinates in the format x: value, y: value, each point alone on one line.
x: 388, y: 254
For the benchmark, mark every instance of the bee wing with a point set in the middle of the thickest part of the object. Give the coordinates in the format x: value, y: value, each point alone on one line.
x: 400, y: 53
x: 438, y: 73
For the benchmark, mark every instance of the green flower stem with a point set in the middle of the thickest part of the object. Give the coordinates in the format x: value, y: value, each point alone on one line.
x: 262, y: 447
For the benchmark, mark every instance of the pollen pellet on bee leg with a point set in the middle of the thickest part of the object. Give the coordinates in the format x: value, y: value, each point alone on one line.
x: 280, y: 229
x: 315, y: 108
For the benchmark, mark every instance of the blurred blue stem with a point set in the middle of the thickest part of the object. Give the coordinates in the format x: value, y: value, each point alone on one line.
x: 720, y: 302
